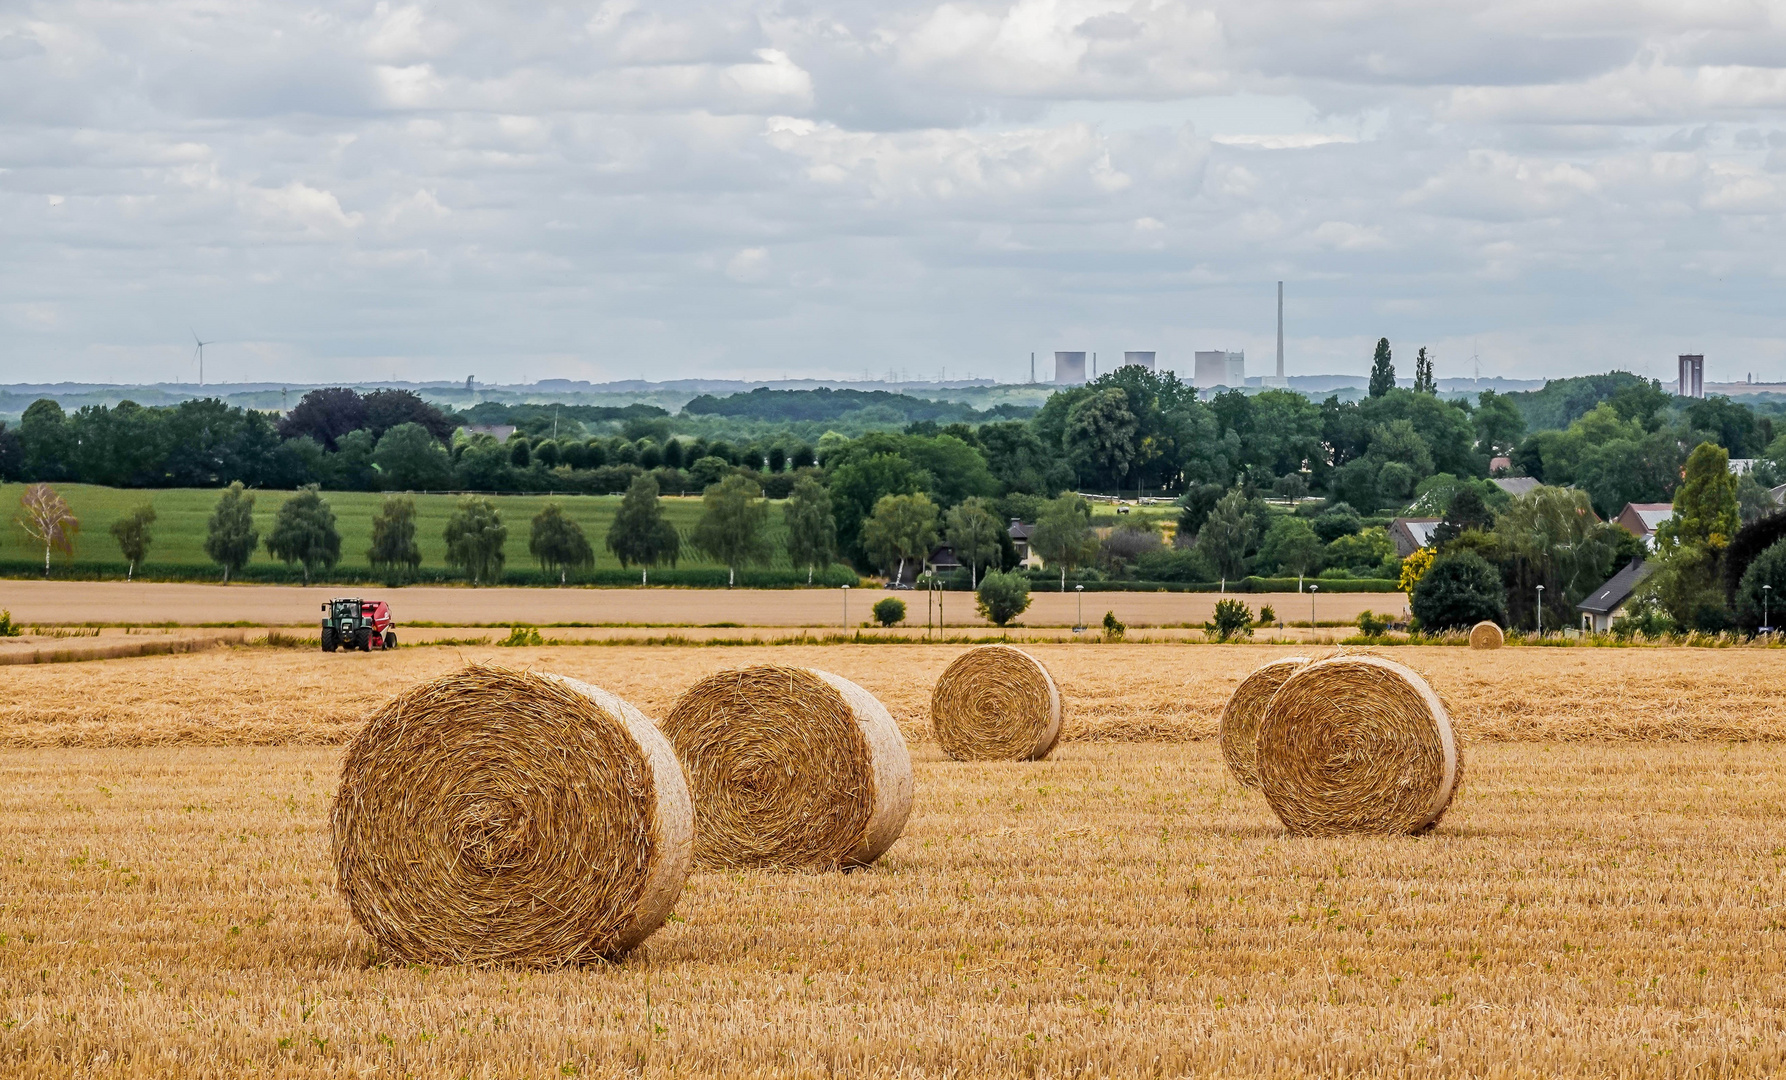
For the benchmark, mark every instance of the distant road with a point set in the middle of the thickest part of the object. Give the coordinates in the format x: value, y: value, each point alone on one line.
x: 148, y: 603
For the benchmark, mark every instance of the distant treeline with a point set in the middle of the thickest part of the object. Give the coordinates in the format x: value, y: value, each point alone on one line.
x: 825, y: 404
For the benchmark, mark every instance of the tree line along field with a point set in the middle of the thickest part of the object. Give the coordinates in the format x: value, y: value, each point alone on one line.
x: 182, y: 514
x: 1601, y: 900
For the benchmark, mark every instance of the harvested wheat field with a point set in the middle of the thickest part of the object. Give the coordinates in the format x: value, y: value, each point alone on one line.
x: 1595, y: 910
x: 1108, y: 692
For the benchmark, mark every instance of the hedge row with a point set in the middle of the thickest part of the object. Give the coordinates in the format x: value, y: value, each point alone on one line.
x: 260, y: 574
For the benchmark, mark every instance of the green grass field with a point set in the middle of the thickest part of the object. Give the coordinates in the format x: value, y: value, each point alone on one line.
x: 182, y: 514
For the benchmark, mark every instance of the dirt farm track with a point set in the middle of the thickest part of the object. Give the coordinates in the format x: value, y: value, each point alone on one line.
x: 152, y: 603
x: 1605, y: 898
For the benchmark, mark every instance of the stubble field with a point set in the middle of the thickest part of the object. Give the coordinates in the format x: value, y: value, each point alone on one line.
x: 1606, y: 897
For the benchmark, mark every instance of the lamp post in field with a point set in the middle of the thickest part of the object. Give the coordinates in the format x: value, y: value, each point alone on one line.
x: 846, y: 607
x: 1312, y: 590
x: 1540, y: 611
x: 1079, y: 591
x: 1767, y: 624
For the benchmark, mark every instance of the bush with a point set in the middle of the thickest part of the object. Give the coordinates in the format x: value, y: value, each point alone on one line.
x: 889, y: 611
x: 521, y: 637
x: 1267, y: 615
x: 1003, y: 596
x: 1181, y: 564
x: 7, y: 627
x: 1768, y: 568
x: 1336, y: 521
x: 1372, y: 625
x: 1232, y: 619
x: 1460, y: 590
x: 1113, y: 630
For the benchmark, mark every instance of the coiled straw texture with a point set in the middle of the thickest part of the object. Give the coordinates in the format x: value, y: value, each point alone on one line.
x: 503, y: 817
x: 1357, y: 744
x: 996, y: 703
x: 1245, y: 709
x: 1486, y: 635
x: 790, y: 768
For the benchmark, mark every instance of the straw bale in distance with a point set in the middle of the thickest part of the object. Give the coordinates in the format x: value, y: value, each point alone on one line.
x: 1246, y: 707
x: 790, y: 768
x: 1357, y: 744
x: 996, y: 703
x: 1486, y: 635
x: 498, y: 816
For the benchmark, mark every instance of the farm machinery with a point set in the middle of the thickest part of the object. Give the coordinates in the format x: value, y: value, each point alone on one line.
x: 352, y: 623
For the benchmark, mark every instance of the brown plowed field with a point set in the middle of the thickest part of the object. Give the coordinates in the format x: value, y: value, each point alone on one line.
x: 150, y: 603
x: 1111, y: 691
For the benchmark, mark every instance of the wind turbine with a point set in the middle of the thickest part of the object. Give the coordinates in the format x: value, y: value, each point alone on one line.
x: 200, y: 352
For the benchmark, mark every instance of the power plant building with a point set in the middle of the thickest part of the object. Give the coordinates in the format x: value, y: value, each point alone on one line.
x: 1138, y: 359
x: 1219, y: 368
x: 1692, y: 383
x: 1069, y: 368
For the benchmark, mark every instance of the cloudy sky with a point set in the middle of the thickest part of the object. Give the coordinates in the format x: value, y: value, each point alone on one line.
x: 346, y: 190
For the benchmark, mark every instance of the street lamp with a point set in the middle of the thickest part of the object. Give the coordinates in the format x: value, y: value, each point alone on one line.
x: 846, y: 607
x: 1312, y: 590
x: 1766, y: 622
x: 1540, y: 611
x: 1080, y: 625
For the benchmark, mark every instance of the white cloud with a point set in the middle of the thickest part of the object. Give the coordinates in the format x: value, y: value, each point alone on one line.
x: 589, y: 184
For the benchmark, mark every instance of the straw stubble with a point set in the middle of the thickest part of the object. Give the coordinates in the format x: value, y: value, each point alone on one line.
x: 996, y: 703
x: 498, y: 816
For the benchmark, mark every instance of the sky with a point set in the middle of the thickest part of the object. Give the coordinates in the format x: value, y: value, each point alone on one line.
x: 339, y: 191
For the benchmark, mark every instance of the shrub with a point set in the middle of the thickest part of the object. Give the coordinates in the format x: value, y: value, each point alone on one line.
x: 889, y: 611
x: 522, y: 636
x: 1267, y: 615
x: 1371, y: 624
x: 1460, y: 590
x: 1113, y: 630
x: 1232, y: 619
x: 1003, y: 596
x: 7, y: 627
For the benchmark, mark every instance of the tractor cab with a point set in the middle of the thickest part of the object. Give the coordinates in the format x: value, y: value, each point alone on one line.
x: 353, y: 623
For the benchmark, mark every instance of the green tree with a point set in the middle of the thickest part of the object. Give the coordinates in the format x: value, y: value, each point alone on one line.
x: 1291, y: 547
x: 47, y: 520
x: 410, y: 458
x: 134, y: 533
x: 1100, y: 436
x: 1753, y: 604
x: 1499, y: 424
x: 1424, y: 382
x: 394, y: 547
x: 812, y: 531
x: 1229, y: 534
x: 1705, y: 506
x: 973, y: 530
x: 902, y: 529
x: 858, y: 483
x: 1232, y: 619
x: 1467, y: 510
x: 475, y: 539
x: 1002, y: 596
x: 734, y: 525
x: 889, y: 610
x: 1459, y: 590
x: 558, y: 542
x: 640, y: 534
x: 1063, y: 536
x: 304, y: 533
x: 1382, y: 370
x: 230, y: 536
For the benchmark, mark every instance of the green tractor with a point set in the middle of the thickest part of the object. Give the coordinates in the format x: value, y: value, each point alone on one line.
x: 352, y: 623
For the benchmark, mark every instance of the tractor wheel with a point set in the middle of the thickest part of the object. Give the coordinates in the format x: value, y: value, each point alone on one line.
x: 328, y: 639
x: 362, y: 639
x: 390, y: 639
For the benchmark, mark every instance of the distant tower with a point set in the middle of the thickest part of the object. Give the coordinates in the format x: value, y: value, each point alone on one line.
x: 1219, y: 368
x: 1094, y: 365
x: 1138, y: 359
x: 1279, y: 381
x: 1692, y: 377
x: 1069, y: 368
x: 1032, y: 369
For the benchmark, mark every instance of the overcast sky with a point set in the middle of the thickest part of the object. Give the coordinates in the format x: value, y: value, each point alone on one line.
x: 340, y: 190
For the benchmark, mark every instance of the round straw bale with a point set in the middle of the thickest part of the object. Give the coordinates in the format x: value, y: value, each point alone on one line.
x: 496, y: 816
x: 1245, y: 708
x: 1357, y: 744
x: 790, y: 768
x: 1486, y: 635
x: 996, y: 703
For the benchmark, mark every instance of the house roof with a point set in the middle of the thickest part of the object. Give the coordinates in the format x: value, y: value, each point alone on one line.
x: 1421, y: 529
x: 1651, y: 514
x: 1618, y: 589
x: 1515, y: 485
x: 943, y: 555
x: 1018, y: 530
